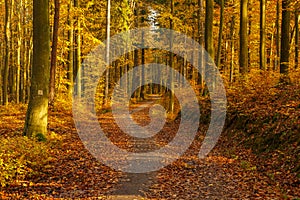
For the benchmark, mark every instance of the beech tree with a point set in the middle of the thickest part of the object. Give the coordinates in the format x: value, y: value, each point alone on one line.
x: 209, y: 19
x: 285, y: 40
x: 7, y: 51
x: 171, y: 102
x: 54, y: 51
x: 262, y: 54
x: 297, y: 38
x: 37, y: 112
x: 107, y: 50
x: 244, y: 37
x: 218, y: 58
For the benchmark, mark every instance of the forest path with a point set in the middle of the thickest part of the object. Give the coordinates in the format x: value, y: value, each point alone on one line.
x: 134, y: 185
x: 73, y: 173
x: 187, y: 178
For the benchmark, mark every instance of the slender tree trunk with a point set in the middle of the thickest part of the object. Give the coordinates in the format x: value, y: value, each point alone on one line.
x: 262, y: 53
x: 270, y: 56
x: 19, y: 52
x: 29, y: 68
x: 209, y: 18
x: 143, y: 90
x: 27, y: 55
x: 244, y: 37
x: 54, y: 52
x: 194, y: 59
x: 19, y: 45
x: 232, y: 48
x: 171, y: 102
x: 277, y: 60
x: 218, y: 59
x: 107, y: 51
x: 70, y: 73
x: 7, y: 51
x: 78, y: 49
x: 37, y: 112
x: 297, y: 20
x: 285, y: 40
x: 12, y: 69
x: 201, y: 42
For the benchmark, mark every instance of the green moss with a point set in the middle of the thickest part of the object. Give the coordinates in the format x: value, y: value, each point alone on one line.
x: 41, y: 137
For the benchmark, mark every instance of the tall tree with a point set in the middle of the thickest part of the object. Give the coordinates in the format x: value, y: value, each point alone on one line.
x: 285, y: 40
x: 244, y: 36
x: 201, y: 42
x: 70, y: 73
x: 218, y: 58
x: 262, y: 53
x: 77, y: 56
x: 37, y: 112
x: 7, y: 51
x: 171, y: 102
x: 209, y: 19
x: 54, y: 51
x: 18, y: 51
x: 297, y: 20
x: 107, y: 50
x: 232, y: 34
x: 277, y: 60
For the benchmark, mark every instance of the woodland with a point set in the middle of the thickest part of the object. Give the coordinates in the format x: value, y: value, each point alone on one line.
x: 253, y: 45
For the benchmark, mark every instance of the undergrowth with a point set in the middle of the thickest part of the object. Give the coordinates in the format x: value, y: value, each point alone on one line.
x: 264, y: 115
x: 20, y: 158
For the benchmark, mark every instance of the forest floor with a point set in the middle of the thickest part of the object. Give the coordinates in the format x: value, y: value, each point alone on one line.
x: 230, y: 171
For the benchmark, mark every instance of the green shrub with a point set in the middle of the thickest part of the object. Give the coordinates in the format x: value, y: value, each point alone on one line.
x: 21, y: 157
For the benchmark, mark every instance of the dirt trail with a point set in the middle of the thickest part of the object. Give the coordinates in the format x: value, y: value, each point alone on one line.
x: 135, y: 185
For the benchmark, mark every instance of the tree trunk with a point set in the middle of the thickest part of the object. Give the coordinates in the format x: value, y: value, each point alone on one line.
x: 7, y: 52
x: 285, y: 40
x: 244, y: 37
x: 171, y: 102
x: 297, y: 20
x: 209, y: 19
x: 107, y: 51
x: 54, y: 52
x: 19, y: 46
x: 262, y: 53
x: 78, y: 49
x: 143, y: 89
x: 70, y: 73
x: 277, y: 60
x: 37, y: 112
x: 201, y: 42
x: 232, y: 48
x: 218, y: 59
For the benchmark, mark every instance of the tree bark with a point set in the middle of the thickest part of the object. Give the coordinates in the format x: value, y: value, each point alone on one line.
x: 54, y: 52
x: 70, y: 73
x: 285, y: 40
x: 37, y: 112
x: 262, y: 53
x: 171, y: 102
x: 297, y: 19
x: 107, y: 51
x: 277, y: 60
x: 201, y: 42
x: 78, y: 49
x: 7, y: 52
x: 19, y: 45
x: 244, y: 37
x: 218, y: 59
x: 209, y: 18
x: 232, y: 33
